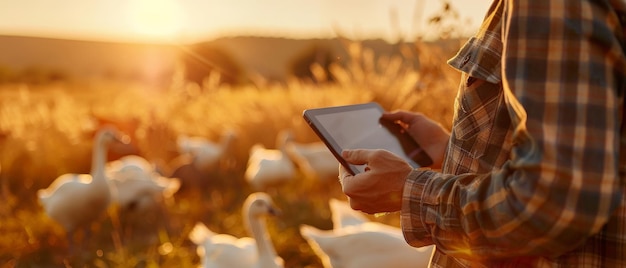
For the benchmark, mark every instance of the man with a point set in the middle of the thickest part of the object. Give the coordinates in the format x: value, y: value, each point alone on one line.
x: 532, y: 172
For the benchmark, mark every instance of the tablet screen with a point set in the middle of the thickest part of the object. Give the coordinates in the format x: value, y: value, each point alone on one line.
x: 360, y: 126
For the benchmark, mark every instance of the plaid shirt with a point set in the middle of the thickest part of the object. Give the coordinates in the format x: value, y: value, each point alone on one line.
x: 533, y: 175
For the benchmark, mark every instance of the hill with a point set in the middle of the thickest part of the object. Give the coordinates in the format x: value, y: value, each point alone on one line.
x: 87, y: 58
x: 269, y: 57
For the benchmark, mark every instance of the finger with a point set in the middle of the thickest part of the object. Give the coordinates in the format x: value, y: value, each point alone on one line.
x: 354, y: 204
x: 347, y: 181
x: 356, y: 157
x: 343, y: 173
x: 402, y: 116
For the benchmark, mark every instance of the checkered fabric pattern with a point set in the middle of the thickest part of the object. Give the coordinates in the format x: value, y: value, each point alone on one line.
x: 533, y: 174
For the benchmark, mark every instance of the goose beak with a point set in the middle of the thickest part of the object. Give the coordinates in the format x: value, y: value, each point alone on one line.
x: 275, y: 212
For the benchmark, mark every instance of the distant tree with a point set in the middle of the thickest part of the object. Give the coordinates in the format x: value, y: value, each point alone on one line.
x: 200, y: 60
x: 313, y: 64
x: 6, y: 74
x: 39, y: 75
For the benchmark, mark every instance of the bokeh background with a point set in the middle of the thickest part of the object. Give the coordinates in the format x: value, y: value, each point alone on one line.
x: 160, y: 69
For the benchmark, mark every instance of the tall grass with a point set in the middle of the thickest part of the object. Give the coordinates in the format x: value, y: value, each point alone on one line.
x: 46, y: 130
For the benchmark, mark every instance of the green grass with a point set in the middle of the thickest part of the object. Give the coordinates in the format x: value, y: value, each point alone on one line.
x: 46, y: 130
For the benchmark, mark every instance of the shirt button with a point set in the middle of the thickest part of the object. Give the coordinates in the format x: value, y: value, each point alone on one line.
x: 466, y: 59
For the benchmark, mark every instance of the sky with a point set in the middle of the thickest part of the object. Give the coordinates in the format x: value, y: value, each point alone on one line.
x: 181, y: 21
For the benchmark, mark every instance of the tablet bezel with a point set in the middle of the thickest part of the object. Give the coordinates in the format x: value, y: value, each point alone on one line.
x: 310, y: 115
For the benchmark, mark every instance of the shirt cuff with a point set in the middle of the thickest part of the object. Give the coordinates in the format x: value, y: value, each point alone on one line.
x: 413, y: 228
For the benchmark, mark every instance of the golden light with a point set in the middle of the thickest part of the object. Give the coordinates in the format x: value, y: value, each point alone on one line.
x: 156, y: 19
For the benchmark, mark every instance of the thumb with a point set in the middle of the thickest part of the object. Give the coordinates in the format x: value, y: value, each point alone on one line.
x: 356, y: 157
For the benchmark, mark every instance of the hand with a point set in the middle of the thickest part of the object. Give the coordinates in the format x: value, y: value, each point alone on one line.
x: 379, y: 188
x: 429, y: 134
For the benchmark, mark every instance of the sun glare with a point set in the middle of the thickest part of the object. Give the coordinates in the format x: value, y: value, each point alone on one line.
x: 158, y: 20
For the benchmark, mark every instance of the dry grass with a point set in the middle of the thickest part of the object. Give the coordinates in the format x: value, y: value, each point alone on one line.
x: 46, y: 130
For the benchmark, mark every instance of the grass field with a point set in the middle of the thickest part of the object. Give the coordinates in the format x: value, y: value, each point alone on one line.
x: 46, y: 130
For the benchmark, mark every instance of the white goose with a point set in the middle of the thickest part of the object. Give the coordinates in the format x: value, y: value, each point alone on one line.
x: 270, y: 167
x: 314, y: 159
x: 355, y: 242
x: 129, y: 166
x: 206, y: 154
x: 137, y: 187
x: 76, y: 200
x: 342, y: 215
x: 224, y: 250
x: 140, y: 196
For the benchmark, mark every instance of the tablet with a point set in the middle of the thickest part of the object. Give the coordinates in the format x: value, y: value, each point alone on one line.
x: 359, y: 126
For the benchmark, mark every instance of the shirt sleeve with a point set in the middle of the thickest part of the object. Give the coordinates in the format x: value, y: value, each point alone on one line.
x: 561, y: 66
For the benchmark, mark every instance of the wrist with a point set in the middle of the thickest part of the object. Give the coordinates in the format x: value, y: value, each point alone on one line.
x: 436, y: 152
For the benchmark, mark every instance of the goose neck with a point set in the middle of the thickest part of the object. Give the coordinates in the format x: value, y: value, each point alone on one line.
x: 98, y: 158
x: 258, y: 230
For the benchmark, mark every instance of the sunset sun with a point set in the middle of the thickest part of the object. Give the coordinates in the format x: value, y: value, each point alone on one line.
x: 156, y: 19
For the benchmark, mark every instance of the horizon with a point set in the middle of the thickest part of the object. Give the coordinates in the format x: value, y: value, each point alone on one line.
x: 193, y: 21
x: 199, y: 41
